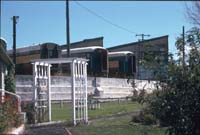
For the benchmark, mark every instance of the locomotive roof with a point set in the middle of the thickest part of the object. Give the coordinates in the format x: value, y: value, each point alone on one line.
x: 83, y: 49
x: 119, y: 53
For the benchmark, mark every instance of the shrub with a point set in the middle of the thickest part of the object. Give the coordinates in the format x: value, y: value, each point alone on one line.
x: 9, y: 115
x: 28, y: 107
x: 10, y: 79
x: 144, y: 118
x: 176, y: 102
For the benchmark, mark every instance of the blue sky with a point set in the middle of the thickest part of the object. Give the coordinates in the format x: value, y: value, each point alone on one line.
x: 41, y: 22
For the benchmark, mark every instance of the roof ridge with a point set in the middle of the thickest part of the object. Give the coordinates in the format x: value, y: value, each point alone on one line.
x: 131, y: 43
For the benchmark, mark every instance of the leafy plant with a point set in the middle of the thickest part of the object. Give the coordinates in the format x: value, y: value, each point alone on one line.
x: 28, y: 107
x: 9, y: 113
x: 176, y: 102
x: 145, y: 118
x: 10, y: 79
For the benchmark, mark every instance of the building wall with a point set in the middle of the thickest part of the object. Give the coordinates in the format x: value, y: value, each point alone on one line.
x: 156, y: 45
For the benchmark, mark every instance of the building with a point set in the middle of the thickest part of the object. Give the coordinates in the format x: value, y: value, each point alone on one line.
x: 4, y: 62
x: 157, y: 46
x: 85, y: 43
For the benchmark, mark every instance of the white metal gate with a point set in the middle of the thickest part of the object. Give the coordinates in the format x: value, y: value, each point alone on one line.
x: 42, y: 87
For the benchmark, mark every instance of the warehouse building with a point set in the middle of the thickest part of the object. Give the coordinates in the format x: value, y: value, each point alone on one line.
x: 157, y: 46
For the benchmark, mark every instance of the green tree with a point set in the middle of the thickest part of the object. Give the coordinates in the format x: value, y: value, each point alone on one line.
x: 176, y: 102
x: 193, y: 13
x: 10, y: 79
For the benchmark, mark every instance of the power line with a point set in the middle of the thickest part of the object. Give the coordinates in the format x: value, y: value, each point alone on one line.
x: 104, y: 19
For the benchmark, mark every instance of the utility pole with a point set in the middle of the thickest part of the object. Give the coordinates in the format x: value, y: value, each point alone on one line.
x: 67, y: 28
x: 14, y: 19
x: 183, y: 50
x: 139, y: 50
x: 142, y: 36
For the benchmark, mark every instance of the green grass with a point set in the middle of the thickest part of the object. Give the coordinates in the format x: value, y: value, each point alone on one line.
x: 61, y: 113
x: 107, y: 109
x: 117, y: 126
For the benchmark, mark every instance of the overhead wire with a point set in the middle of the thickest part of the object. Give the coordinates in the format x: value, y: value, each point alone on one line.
x: 104, y: 19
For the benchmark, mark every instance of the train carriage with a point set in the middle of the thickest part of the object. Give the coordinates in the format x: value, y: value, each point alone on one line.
x: 98, y: 59
x: 25, y: 54
x: 121, y: 64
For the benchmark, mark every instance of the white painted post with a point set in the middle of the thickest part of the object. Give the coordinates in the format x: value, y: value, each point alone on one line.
x: 3, y: 74
x: 49, y: 90
x: 78, y: 90
x: 2, y: 82
x: 85, y: 77
x: 84, y: 95
x: 38, y: 70
x: 34, y: 84
x: 73, y: 92
x: 35, y: 87
x: 82, y: 92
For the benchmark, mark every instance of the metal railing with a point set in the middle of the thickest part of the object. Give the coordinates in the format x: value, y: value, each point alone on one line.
x: 2, y: 95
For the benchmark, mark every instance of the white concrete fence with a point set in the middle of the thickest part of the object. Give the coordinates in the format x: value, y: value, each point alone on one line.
x: 61, y: 87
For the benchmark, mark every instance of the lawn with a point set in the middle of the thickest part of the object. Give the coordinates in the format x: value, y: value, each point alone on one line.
x: 107, y: 126
x: 107, y: 109
x: 117, y: 126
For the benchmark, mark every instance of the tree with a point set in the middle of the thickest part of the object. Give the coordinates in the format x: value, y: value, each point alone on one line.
x: 193, y: 13
x: 176, y: 102
x: 10, y: 79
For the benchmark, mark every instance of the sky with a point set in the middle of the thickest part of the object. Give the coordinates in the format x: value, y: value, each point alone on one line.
x: 117, y: 21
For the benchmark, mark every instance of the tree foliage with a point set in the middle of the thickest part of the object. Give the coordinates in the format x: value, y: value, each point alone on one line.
x: 193, y: 13
x: 10, y: 79
x: 176, y: 102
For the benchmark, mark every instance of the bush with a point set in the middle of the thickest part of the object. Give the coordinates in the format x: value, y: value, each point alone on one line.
x: 28, y: 107
x: 144, y: 118
x: 10, y: 79
x: 9, y: 115
x: 176, y: 102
